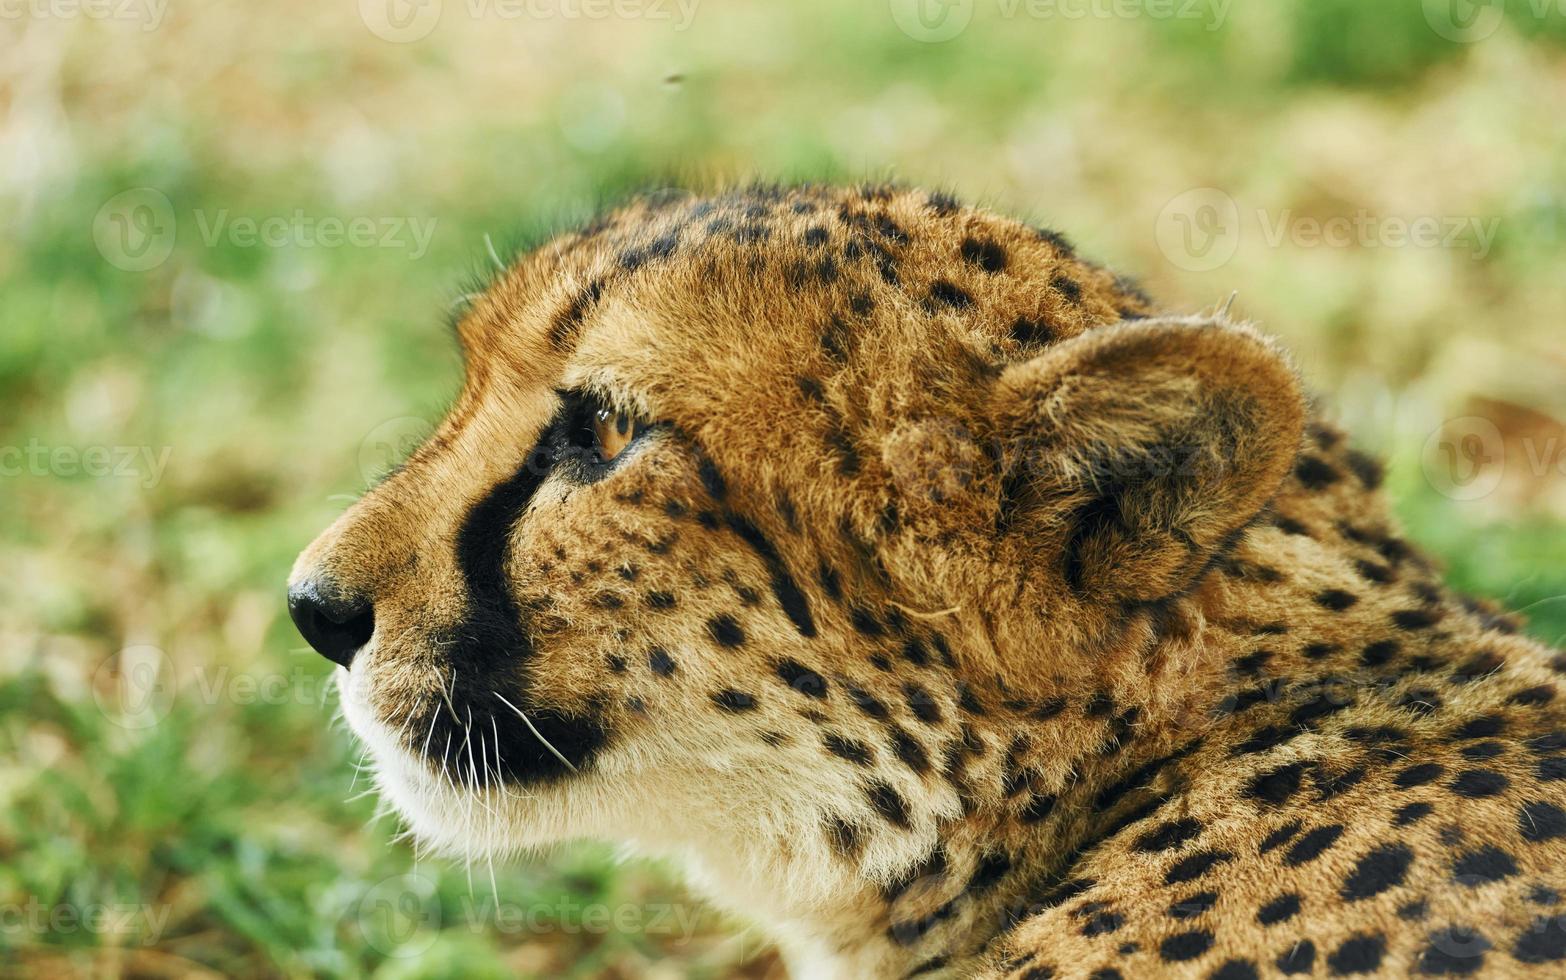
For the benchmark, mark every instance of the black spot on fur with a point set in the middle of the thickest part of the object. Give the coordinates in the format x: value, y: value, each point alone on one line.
x: 1279, y: 837
x: 910, y: 751
x: 1382, y: 868
x: 711, y: 479
x: 1482, y: 866
x: 1277, y: 785
x: 889, y: 804
x: 1361, y: 954
x: 1040, y: 805
x: 1317, y: 708
x: 1418, y: 775
x: 842, y: 836
x: 1168, y: 836
x: 732, y: 700
x: 1185, y: 946
x: 1026, y: 330
x: 922, y: 704
x: 726, y: 631
x: 1484, y: 726
x: 1539, y: 821
x: 1411, y: 813
x: 1312, y: 844
x: 1453, y: 951
x: 1543, y: 941
x: 867, y: 702
x: 1280, y: 909
x: 802, y: 679
x: 1479, y: 783
x: 944, y: 205
x: 1194, y: 866
x: 853, y: 750
x: 988, y: 873
x: 1235, y: 970
x: 661, y: 663
x: 865, y: 622
x: 1379, y: 653
x: 984, y: 253
x: 1315, y: 473
x: 1067, y: 287
x: 1416, y: 619
x: 1370, y: 471
x: 1298, y: 958
x: 949, y: 294
x: 1532, y: 696
x: 1336, y: 599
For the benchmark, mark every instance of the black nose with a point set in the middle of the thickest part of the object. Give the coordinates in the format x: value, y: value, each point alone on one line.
x: 336, y: 624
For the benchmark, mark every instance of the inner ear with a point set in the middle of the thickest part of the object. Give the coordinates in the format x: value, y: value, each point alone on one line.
x: 1138, y: 452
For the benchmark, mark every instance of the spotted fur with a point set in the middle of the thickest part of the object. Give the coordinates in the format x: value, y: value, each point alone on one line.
x: 958, y: 615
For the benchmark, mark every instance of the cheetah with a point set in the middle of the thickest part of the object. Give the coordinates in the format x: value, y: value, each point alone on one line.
x: 938, y: 602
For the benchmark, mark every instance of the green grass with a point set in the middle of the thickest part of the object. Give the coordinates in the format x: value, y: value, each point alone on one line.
x: 263, y: 371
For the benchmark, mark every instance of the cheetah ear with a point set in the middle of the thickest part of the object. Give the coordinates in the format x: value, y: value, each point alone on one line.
x: 1138, y: 451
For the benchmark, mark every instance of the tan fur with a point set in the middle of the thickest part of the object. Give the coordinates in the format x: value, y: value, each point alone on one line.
x: 1077, y: 582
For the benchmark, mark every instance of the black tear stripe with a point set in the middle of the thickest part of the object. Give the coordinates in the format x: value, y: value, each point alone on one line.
x: 784, y: 588
x: 567, y: 322
x: 491, y: 654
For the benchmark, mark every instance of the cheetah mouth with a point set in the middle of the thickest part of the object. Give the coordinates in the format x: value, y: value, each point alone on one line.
x: 472, y: 736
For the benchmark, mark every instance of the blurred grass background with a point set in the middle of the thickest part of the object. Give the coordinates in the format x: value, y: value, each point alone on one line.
x: 168, y: 750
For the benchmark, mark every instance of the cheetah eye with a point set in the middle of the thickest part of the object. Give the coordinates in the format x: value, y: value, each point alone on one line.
x: 612, y: 432
x: 591, y: 434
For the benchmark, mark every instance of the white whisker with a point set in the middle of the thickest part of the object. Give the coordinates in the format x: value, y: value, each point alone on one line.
x: 535, y: 731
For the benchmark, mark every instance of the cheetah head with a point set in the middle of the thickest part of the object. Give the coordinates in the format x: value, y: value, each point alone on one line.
x: 748, y: 503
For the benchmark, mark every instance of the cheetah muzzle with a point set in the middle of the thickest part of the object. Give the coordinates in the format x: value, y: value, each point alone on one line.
x: 944, y: 607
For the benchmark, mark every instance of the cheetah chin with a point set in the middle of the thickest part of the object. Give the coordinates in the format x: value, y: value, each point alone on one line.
x: 944, y: 606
